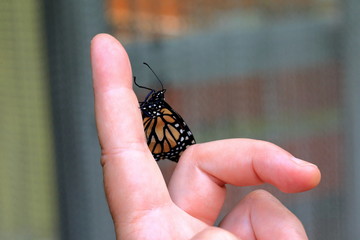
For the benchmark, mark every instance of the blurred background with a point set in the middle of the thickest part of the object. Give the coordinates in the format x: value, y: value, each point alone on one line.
x: 284, y: 71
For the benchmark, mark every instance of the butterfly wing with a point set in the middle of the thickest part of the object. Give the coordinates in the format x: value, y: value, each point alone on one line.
x: 166, y: 132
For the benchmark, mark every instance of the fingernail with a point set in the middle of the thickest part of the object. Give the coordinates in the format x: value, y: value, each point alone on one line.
x: 302, y: 162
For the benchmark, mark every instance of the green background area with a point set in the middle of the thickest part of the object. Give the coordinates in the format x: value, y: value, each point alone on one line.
x: 27, y: 183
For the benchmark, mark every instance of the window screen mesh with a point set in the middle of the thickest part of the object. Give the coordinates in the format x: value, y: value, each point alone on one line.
x: 268, y: 70
x: 274, y: 70
x: 28, y: 195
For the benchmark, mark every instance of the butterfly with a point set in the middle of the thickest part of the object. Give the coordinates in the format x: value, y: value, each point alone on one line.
x: 166, y: 132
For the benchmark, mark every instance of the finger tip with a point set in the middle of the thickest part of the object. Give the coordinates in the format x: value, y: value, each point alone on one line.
x: 314, y: 177
x: 103, y: 39
x: 110, y: 62
x: 304, y: 178
x: 107, y: 46
x: 310, y: 175
x: 214, y: 233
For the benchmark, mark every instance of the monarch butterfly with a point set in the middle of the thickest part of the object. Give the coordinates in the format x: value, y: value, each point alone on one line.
x: 166, y: 132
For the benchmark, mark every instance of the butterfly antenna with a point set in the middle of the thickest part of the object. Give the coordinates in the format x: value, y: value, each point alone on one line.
x: 140, y: 85
x: 154, y: 74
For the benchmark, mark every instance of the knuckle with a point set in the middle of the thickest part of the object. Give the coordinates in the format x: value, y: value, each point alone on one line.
x: 122, y: 152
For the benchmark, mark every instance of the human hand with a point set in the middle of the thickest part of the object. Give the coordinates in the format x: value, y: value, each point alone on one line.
x: 143, y: 207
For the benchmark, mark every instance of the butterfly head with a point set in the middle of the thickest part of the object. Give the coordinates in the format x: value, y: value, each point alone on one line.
x: 156, y: 96
x: 154, y: 101
x: 167, y: 134
x: 153, y: 104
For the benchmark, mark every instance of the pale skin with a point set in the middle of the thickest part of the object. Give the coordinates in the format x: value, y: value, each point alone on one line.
x: 143, y: 207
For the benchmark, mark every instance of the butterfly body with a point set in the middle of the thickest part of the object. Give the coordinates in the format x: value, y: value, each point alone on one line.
x: 166, y: 132
x: 153, y: 103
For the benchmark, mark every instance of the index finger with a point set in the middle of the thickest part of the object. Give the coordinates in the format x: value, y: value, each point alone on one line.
x: 130, y: 172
